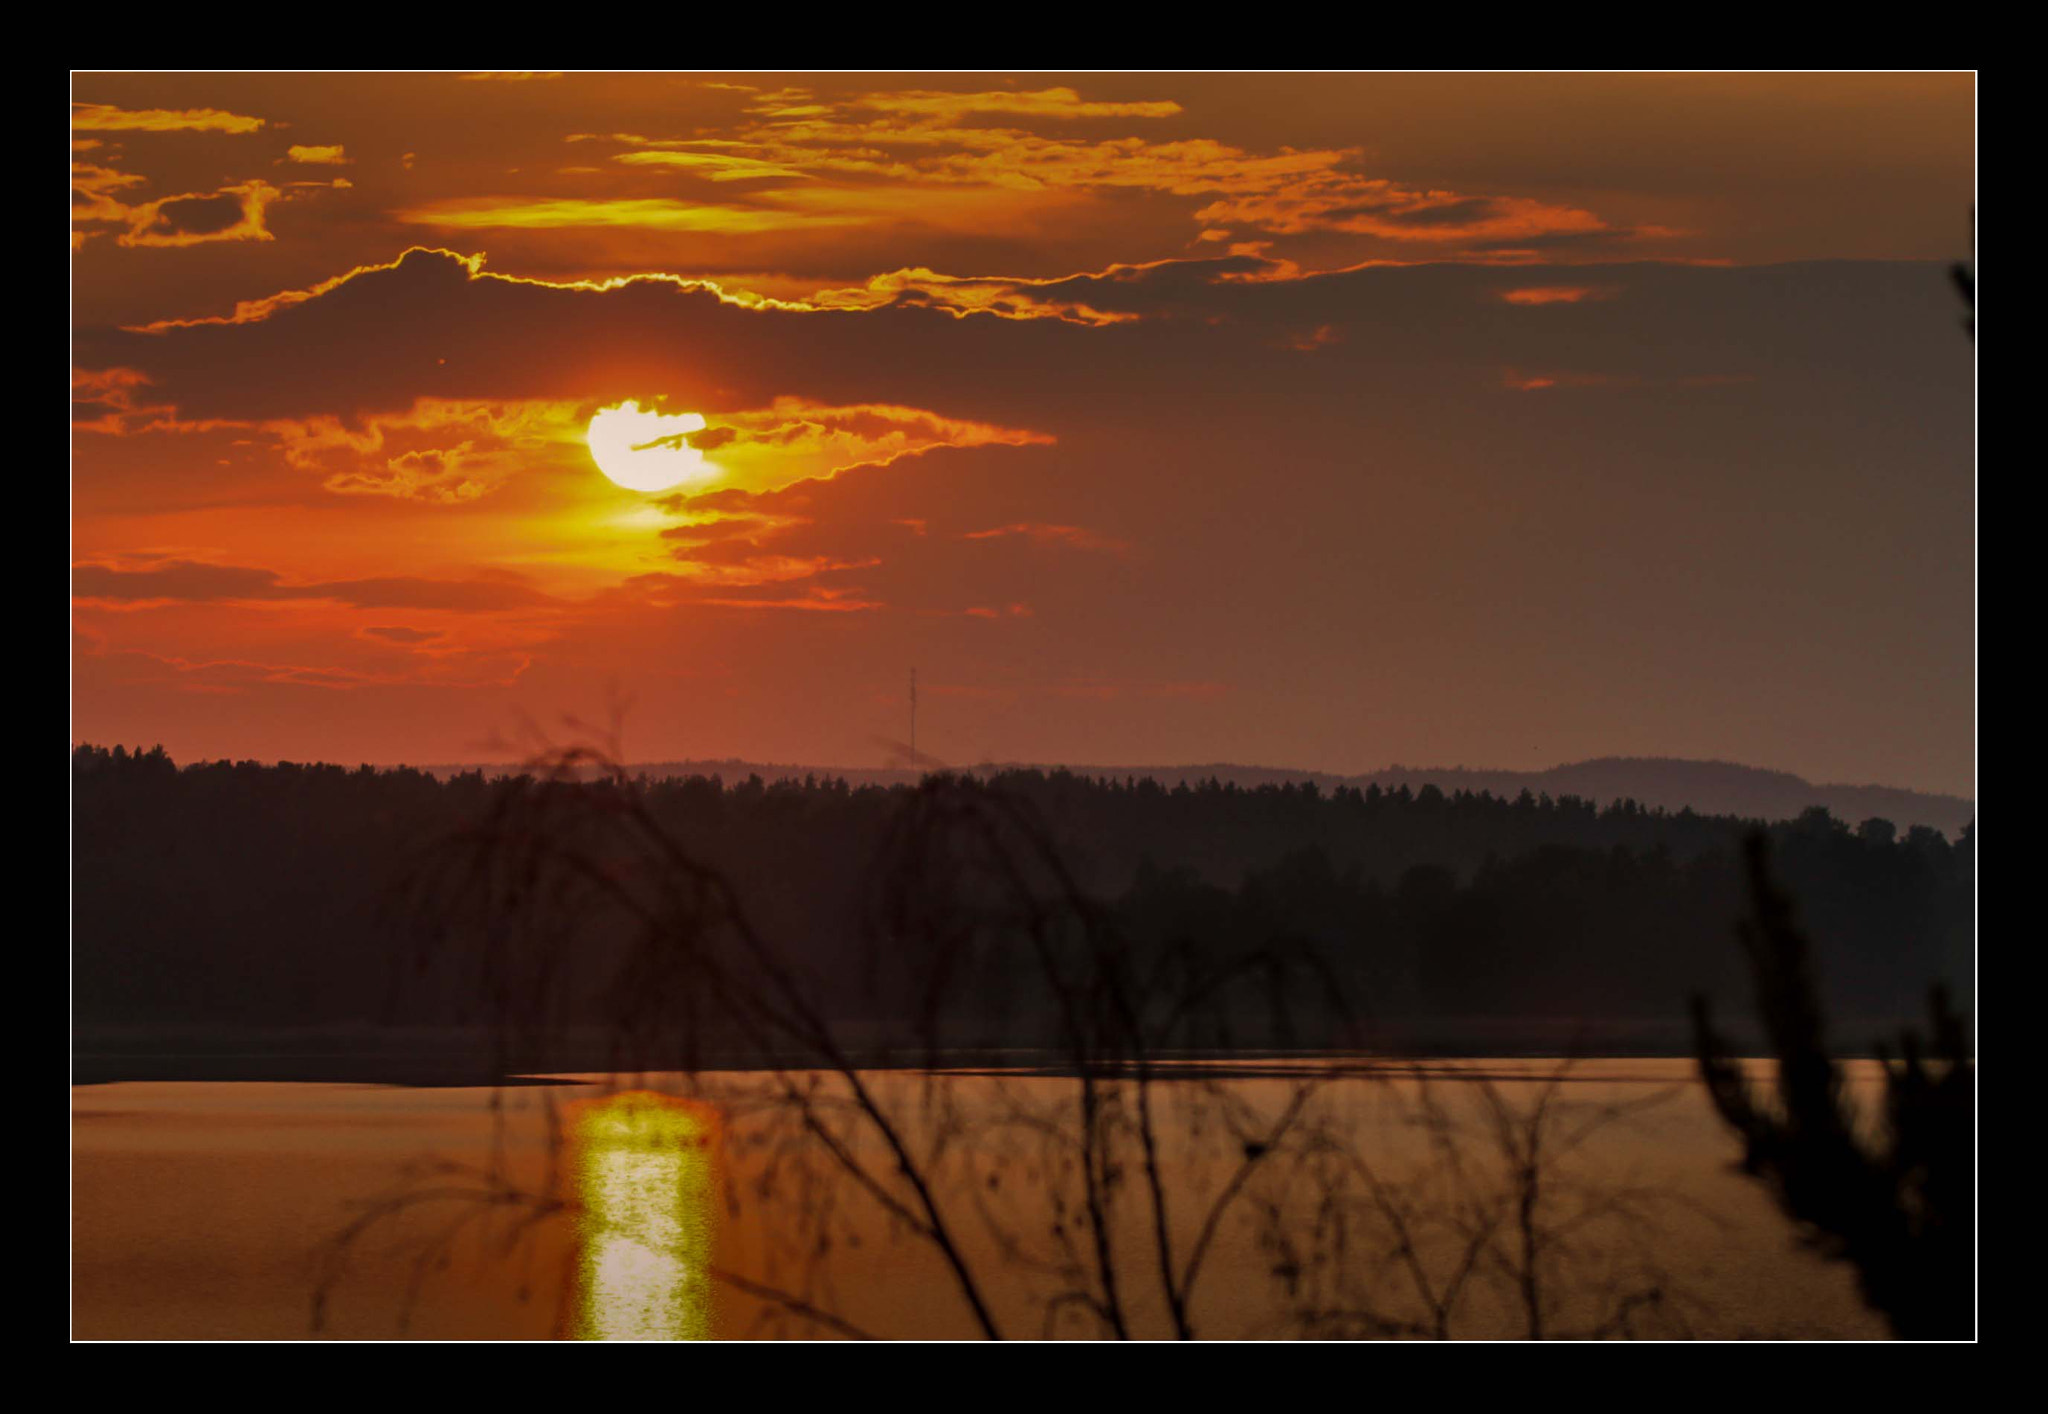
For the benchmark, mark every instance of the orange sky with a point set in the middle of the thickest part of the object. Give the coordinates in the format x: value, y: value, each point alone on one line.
x: 1323, y: 421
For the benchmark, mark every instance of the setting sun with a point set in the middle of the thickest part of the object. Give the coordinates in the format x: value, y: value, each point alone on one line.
x: 647, y: 451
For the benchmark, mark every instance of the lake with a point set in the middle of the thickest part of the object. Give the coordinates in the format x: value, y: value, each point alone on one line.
x: 1475, y: 1198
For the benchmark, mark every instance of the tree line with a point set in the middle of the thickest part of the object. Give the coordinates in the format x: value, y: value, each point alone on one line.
x: 247, y: 895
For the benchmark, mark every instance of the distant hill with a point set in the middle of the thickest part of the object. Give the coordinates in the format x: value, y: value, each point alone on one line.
x: 1707, y: 787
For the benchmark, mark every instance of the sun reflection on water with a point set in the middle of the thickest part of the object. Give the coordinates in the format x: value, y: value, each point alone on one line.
x: 644, y: 1179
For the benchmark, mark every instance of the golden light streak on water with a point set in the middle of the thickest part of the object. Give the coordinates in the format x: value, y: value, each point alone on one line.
x: 644, y: 1178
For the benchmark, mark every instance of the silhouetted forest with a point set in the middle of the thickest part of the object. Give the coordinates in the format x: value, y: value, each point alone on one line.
x: 240, y: 895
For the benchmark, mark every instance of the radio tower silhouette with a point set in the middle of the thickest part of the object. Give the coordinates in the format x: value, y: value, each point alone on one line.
x: 913, y: 719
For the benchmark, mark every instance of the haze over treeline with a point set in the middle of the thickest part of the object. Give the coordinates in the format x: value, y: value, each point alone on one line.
x: 244, y: 896
x: 1659, y: 782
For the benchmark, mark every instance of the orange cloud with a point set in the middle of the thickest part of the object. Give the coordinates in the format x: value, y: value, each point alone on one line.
x: 769, y: 569
x: 962, y: 296
x: 257, y: 310
x: 104, y: 117
x: 726, y: 536
x: 1333, y: 201
x: 795, y: 439
x: 108, y: 401
x: 1558, y: 294
x: 871, y: 157
x: 1042, y: 103
x: 454, y: 450
x: 646, y: 213
x: 1119, y: 294
x: 328, y: 156
x: 110, y: 394
x: 718, y: 166
x: 439, y: 450
x: 233, y: 213
x: 1072, y: 537
x: 92, y: 195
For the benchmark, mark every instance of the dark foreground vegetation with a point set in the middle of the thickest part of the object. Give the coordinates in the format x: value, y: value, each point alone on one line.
x: 1895, y: 1195
x: 235, y: 897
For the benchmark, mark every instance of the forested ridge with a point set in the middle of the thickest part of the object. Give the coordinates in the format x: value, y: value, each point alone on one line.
x: 243, y: 895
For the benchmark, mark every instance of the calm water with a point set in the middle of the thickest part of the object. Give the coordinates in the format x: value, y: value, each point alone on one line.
x: 674, y: 1211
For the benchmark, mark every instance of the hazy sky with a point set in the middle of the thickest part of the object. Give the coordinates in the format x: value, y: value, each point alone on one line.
x: 1317, y: 421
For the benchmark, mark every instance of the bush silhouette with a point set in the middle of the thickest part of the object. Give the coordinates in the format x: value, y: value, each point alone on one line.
x: 1899, y: 1203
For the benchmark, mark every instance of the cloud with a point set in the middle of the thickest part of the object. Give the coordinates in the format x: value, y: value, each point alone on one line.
x: 190, y: 582
x: 1008, y: 298
x: 1526, y: 382
x: 454, y: 451
x: 328, y: 156
x: 984, y: 160
x: 256, y: 310
x: 431, y: 379
x: 104, y: 399
x: 232, y: 213
x: 236, y: 212
x: 717, y: 166
x: 1558, y: 294
x: 479, y: 336
x: 777, y: 460
x: 1070, y: 537
x: 489, y: 213
x: 796, y: 439
x: 93, y: 195
x: 439, y: 450
x: 109, y: 402
x: 1062, y: 103
x: 1115, y: 295
x: 435, y: 325
x: 104, y: 117
x: 768, y: 569
x: 1334, y: 201
x: 1310, y: 340
x: 670, y: 591
x: 233, y: 676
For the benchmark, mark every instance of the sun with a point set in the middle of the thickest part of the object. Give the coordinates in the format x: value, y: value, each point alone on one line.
x: 647, y: 451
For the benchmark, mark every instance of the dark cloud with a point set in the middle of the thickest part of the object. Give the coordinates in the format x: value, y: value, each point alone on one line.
x: 196, y: 215
x: 711, y: 438
x: 427, y: 328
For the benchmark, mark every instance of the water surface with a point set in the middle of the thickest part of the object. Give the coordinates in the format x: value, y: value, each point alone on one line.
x: 679, y: 1209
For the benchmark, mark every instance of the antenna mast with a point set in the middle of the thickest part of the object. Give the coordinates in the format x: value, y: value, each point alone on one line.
x: 913, y: 718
